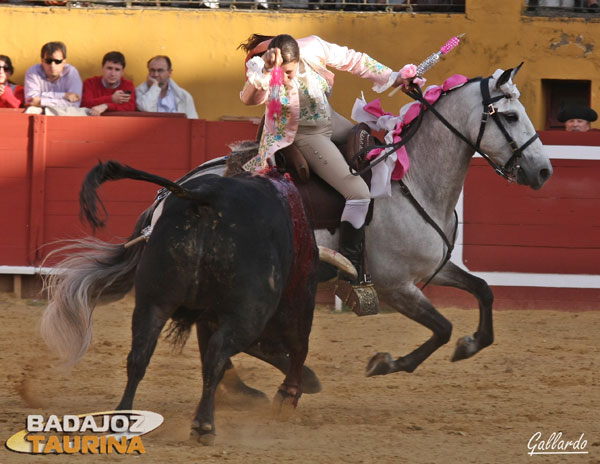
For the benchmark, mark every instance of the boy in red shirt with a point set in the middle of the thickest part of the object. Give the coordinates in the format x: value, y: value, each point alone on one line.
x: 109, y: 92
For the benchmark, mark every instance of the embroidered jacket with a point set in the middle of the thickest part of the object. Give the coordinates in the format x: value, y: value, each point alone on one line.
x: 316, y: 83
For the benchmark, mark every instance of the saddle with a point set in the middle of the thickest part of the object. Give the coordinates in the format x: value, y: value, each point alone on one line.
x: 324, y: 205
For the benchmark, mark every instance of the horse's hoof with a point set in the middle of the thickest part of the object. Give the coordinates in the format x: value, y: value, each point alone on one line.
x: 380, y: 364
x: 465, y: 348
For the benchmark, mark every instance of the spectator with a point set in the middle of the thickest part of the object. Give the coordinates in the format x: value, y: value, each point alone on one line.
x: 53, y: 82
x: 589, y: 6
x: 577, y: 118
x: 160, y: 93
x: 11, y: 94
x: 110, y: 91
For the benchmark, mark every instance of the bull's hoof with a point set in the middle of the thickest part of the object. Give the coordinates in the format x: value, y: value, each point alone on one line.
x: 465, y: 348
x: 284, y: 405
x: 380, y: 364
x: 239, y: 395
x: 203, y: 434
x: 310, y: 381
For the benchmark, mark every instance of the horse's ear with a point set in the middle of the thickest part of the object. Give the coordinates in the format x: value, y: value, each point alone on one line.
x: 507, y: 75
x: 504, y: 78
x: 515, y: 71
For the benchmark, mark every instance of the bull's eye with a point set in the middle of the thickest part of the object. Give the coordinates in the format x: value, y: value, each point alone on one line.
x: 511, y: 117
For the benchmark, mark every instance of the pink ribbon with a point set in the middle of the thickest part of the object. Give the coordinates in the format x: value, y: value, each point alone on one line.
x: 402, y: 163
x: 431, y: 95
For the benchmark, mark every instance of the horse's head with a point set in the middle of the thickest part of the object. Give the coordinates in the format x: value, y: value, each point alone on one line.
x: 508, y: 137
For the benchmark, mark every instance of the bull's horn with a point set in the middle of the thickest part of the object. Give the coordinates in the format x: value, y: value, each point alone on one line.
x: 329, y: 256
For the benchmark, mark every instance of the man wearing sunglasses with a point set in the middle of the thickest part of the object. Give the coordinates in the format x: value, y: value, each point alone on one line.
x: 53, y: 82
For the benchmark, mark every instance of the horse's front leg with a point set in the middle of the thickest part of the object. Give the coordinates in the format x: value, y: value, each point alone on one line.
x: 453, y: 276
x: 412, y: 303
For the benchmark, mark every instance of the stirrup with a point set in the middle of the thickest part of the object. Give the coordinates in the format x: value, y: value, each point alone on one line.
x: 361, y: 298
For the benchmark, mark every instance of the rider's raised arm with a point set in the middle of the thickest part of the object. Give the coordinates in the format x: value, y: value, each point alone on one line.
x: 256, y: 88
x: 357, y: 63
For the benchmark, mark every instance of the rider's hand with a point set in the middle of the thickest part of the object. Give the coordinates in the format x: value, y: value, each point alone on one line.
x: 272, y: 57
x: 402, y: 82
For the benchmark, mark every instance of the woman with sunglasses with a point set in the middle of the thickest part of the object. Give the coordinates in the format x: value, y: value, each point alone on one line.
x: 11, y: 94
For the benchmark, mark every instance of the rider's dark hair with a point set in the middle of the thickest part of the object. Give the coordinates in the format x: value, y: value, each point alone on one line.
x: 290, y: 51
x: 253, y: 41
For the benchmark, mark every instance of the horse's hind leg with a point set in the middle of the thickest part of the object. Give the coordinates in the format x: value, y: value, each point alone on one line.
x: 453, y: 276
x: 147, y: 323
x: 411, y: 302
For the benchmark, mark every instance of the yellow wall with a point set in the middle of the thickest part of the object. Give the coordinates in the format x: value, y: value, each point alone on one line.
x: 202, y: 45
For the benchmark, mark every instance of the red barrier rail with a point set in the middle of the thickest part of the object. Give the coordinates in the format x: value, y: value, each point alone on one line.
x: 506, y: 228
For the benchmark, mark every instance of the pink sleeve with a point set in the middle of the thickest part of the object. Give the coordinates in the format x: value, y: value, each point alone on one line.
x: 357, y: 63
x: 250, y: 95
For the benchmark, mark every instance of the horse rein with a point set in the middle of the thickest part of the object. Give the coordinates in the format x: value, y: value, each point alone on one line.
x: 506, y: 171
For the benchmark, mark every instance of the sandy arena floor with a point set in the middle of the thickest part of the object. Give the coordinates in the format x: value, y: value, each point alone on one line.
x: 541, y: 374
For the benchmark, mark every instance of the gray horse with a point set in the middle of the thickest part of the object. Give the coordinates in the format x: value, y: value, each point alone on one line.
x: 439, y: 160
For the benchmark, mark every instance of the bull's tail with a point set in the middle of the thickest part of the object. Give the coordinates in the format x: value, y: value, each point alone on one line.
x: 94, y: 272
x: 111, y: 170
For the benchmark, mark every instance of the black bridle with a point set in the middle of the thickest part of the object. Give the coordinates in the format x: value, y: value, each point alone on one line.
x: 508, y: 171
x: 510, y: 167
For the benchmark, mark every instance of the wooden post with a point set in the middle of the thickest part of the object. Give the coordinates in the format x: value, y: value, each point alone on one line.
x: 38, y: 186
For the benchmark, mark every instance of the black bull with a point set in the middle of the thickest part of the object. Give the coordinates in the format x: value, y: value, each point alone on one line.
x: 234, y: 256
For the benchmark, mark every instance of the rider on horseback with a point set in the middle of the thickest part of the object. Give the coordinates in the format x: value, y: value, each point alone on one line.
x: 305, y: 118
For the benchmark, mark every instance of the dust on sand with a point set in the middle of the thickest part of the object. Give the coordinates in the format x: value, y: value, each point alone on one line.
x: 541, y: 374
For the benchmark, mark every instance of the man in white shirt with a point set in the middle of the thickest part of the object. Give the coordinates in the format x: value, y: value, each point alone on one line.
x: 160, y: 93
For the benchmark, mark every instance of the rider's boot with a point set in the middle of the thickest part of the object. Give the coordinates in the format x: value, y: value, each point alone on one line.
x: 352, y: 244
x: 357, y: 294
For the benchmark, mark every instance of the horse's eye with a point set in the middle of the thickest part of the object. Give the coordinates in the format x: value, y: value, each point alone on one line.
x: 511, y: 117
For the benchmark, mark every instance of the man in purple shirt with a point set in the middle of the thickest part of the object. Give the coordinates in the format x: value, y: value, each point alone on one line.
x: 53, y: 82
